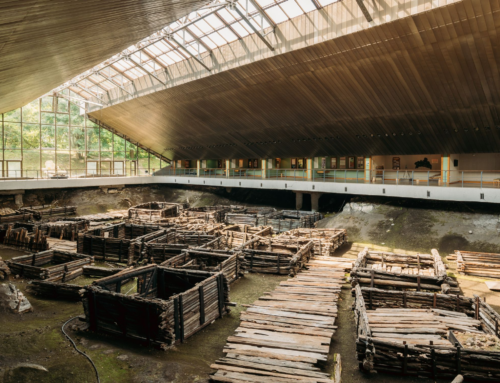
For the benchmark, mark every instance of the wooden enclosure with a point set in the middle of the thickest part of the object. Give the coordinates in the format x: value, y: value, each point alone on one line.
x: 416, y: 334
x: 420, y: 272
x: 64, y: 228
x: 286, y: 220
x: 170, y: 305
x: 40, y: 211
x: 265, y: 255
x: 22, y: 236
x: 215, y: 214
x: 57, y: 288
x: 247, y: 215
x: 326, y: 241
x: 231, y: 264
x: 478, y: 264
x: 153, y: 211
x: 55, y: 264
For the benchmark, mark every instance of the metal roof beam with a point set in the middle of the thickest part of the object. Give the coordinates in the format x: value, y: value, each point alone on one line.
x: 361, y: 5
x: 145, y: 70
x: 113, y: 82
x: 259, y: 35
x: 263, y: 13
x: 190, y: 54
x: 96, y: 95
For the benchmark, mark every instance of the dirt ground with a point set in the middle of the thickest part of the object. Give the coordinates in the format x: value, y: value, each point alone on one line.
x: 37, y: 338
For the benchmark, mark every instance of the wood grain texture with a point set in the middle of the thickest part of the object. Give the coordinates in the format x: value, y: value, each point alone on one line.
x: 423, y: 82
x: 45, y: 43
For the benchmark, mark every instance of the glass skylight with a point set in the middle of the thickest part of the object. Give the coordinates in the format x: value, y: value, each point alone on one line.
x: 212, y: 26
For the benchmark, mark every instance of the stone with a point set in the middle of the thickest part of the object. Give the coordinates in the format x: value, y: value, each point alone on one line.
x: 13, y: 300
x: 122, y: 357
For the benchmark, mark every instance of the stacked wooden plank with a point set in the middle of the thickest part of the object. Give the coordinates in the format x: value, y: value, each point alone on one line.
x: 326, y: 241
x: 247, y: 216
x: 109, y: 216
x: 285, y: 336
x: 421, y: 272
x: 21, y: 238
x: 49, y: 264
x: 413, y: 333
x: 478, y: 264
x: 231, y: 264
x: 152, y: 211
x: 170, y: 305
x: 109, y: 231
x: 4, y: 269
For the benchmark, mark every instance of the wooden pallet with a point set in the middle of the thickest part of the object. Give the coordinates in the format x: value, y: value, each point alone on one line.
x: 285, y: 335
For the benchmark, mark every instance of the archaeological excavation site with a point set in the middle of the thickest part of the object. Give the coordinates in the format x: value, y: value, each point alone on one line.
x: 250, y: 191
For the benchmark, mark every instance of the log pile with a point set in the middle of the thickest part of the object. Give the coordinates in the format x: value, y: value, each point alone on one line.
x: 326, y: 241
x: 21, y: 238
x: 287, y: 220
x: 170, y: 305
x: 50, y: 264
x: 4, y: 269
x: 420, y: 272
x: 18, y: 217
x: 247, y: 216
x: 413, y: 333
x: 285, y: 335
x: 232, y: 265
x: 152, y: 211
x: 40, y: 211
x: 478, y: 264
x: 109, y: 216
x: 64, y: 228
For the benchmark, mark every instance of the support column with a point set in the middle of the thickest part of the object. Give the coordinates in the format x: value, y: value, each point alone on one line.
x: 368, y: 168
x: 198, y: 166
x: 228, y: 168
x: 264, y: 168
x: 315, y: 201
x: 309, y: 165
x: 18, y: 199
x: 445, y: 169
x: 299, y: 198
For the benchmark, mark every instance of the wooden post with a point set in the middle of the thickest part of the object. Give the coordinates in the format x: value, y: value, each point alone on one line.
x: 405, y: 360
x: 202, y: 305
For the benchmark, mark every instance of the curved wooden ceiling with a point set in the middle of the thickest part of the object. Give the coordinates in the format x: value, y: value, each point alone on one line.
x: 44, y: 43
x: 428, y: 83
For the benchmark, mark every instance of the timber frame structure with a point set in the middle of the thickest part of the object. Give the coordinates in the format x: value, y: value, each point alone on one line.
x: 436, y: 361
x: 420, y: 272
x: 170, y: 304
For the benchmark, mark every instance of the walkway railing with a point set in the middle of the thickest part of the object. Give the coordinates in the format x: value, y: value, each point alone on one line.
x: 441, y: 178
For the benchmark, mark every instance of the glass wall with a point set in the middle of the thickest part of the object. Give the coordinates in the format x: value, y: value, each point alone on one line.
x: 52, y: 137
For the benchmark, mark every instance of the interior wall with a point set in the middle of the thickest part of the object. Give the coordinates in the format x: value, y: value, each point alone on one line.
x: 479, y: 161
x: 407, y: 162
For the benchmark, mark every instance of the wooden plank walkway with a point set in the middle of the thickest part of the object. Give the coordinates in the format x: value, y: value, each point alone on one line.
x: 285, y: 335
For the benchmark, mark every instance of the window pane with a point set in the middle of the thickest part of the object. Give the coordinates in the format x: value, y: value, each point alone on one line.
x: 31, y: 112
x: 13, y: 115
x: 78, y: 139
x: 119, y: 155
x: 48, y: 118
x: 13, y: 155
x: 62, y: 137
x: 154, y: 163
x: 77, y: 163
x: 105, y: 156
x: 47, y: 104
x: 131, y: 151
x: 48, y: 163
x: 77, y: 115
x: 106, y: 140
x: 119, y: 143
x: 62, y: 105
x: 12, y: 135
x: 92, y: 156
x: 31, y: 137
x: 92, y: 138
x: 62, y: 119
x: 63, y: 162
x: 31, y: 161
x: 48, y: 137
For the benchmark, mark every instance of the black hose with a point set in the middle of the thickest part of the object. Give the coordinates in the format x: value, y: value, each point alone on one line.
x: 76, y: 348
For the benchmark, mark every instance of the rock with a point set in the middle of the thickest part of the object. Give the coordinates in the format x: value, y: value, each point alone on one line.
x: 122, y: 357
x: 13, y: 300
x: 107, y: 352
